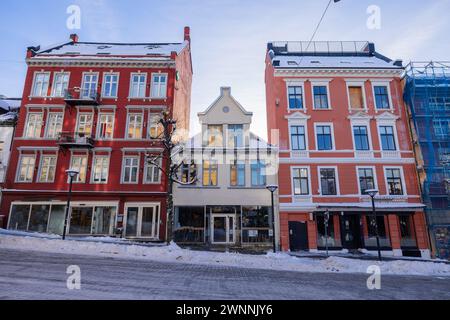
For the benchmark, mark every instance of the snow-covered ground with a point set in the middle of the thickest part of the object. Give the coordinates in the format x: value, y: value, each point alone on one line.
x: 173, y: 253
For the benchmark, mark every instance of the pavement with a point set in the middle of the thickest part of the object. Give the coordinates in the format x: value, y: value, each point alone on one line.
x: 42, y: 276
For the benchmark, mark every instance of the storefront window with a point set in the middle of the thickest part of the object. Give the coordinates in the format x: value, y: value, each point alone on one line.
x: 103, y: 220
x: 370, y: 240
x: 327, y: 238
x: 81, y: 220
x: 190, y: 224
x: 56, y: 221
x: 19, y: 217
x: 256, y: 224
x: 39, y: 218
x: 406, y: 231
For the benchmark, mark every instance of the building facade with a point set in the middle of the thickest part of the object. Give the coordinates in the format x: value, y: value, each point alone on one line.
x: 338, y: 111
x: 427, y: 94
x: 95, y: 107
x: 228, y: 205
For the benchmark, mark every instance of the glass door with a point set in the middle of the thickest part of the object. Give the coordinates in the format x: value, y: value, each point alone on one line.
x: 142, y: 221
x: 223, y: 229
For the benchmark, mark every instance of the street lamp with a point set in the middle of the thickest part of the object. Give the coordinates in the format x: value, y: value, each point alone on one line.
x: 272, y: 188
x: 72, y: 173
x: 326, y: 219
x: 372, y: 193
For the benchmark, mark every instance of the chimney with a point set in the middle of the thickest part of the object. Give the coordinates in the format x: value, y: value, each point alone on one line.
x: 31, y: 51
x: 187, y: 34
x: 74, y: 37
x: 225, y: 91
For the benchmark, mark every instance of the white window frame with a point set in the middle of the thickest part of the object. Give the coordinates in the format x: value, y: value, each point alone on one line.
x: 128, y: 125
x: 330, y: 124
x: 308, y: 168
x: 41, y: 162
x: 131, y: 85
x: 25, y: 133
x: 104, y: 85
x: 77, y: 178
x: 151, y: 125
x: 295, y: 83
x: 402, y: 176
x: 392, y: 124
x: 122, y: 179
x: 353, y: 83
x: 376, y: 83
x: 162, y: 95
x: 48, y: 73
x: 336, y: 172
x: 362, y: 123
x: 299, y: 124
x: 108, y: 164
x: 63, y: 87
x: 100, y: 114
x: 77, y: 129
x: 19, y: 165
x: 147, y: 167
x: 49, y: 124
x: 140, y: 205
x: 84, y: 81
x: 321, y: 84
x: 375, y: 180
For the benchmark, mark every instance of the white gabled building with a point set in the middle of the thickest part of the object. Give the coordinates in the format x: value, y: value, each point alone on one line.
x: 229, y: 204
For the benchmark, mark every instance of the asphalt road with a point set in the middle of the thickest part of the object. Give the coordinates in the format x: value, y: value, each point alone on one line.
x: 37, y: 275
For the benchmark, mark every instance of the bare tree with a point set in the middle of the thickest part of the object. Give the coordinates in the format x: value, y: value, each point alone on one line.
x: 167, y: 166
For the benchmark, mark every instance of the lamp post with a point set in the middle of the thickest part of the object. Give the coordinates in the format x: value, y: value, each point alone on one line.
x: 326, y: 218
x: 72, y: 174
x: 272, y: 189
x: 372, y: 193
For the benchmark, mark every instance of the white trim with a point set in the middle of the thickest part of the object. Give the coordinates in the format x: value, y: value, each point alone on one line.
x: 389, y: 153
x: 166, y: 85
x: 323, y: 83
x: 81, y: 113
x: 90, y: 72
x: 228, y: 228
x: 25, y: 129
x: 99, y: 115
x: 122, y: 176
x: 128, y: 124
x: 156, y: 222
x: 309, y: 195
x: 93, y: 168
x: 386, y: 83
x: 19, y: 163
x: 331, y: 125
x: 34, y: 83
x: 131, y: 85
x: 295, y: 83
x: 103, y: 85
x: 42, y: 156
x: 301, y: 153
x: 336, y: 175
x: 53, y: 83
x: 47, y: 124
x: 356, y: 83
x: 283, y: 160
x: 402, y: 176
x: 362, y: 123
x: 375, y: 179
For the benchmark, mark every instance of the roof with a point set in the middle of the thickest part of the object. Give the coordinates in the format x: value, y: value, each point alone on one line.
x: 328, y: 55
x: 9, y: 104
x: 196, y: 142
x: 103, y: 50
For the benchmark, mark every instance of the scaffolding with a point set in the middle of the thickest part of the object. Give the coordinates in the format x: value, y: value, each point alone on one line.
x: 427, y: 94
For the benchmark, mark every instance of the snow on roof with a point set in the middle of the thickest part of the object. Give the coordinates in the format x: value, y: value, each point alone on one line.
x: 7, y: 118
x: 345, y: 62
x: 8, y: 105
x: 112, y: 49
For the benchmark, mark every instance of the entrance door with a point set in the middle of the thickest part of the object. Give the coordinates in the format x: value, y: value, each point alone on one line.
x: 298, y: 236
x: 142, y: 222
x: 351, y: 231
x: 223, y: 228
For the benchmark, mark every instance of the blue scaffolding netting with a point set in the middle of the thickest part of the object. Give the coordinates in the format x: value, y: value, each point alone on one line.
x: 427, y: 94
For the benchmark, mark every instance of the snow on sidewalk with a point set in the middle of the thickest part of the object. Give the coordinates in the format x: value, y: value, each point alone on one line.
x: 173, y: 253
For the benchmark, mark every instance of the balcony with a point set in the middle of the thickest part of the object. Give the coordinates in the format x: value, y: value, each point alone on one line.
x: 81, y: 97
x: 73, y: 140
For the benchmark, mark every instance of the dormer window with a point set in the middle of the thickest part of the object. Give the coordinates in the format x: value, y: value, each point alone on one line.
x: 235, y: 135
x: 215, y: 136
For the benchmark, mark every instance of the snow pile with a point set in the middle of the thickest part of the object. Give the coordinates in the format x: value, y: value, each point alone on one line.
x: 173, y: 253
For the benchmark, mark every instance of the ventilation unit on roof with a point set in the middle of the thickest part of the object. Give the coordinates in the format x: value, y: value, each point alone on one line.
x: 345, y: 62
x: 151, y: 47
x: 72, y: 53
x: 103, y: 53
x: 292, y: 63
x: 103, y: 47
x: 315, y: 61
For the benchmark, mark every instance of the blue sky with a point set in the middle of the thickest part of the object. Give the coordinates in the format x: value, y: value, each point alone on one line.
x: 229, y: 36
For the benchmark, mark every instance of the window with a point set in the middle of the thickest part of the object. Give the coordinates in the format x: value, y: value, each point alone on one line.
x: 210, y: 172
x: 105, y: 126
x: 441, y: 128
x: 48, y: 168
x: 40, y: 86
x: 406, y: 231
x: 130, y: 169
x: 34, y: 125
x: 320, y: 97
x: 134, y: 126
x: 298, y: 139
x: 387, y: 138
x: 138, y: 85
x: 100, y: 169
x: 381, y: 97
x: 152, y: 173
x: 155, y: 128
x: 159, y: 86
x: 235, y: 135
x: 256, y: 224
x: 60, y: 84
x: 301, y: 181
x: 110, y: 83
x: 394, y: 182
x: 215, y: 135
x: 361, y: 138
x: 26, y: 168
x: 188, y: 172
x: 324, y: 139
x: 326, y: 236
x: 84, y: 125
x: 258, y: 170
x: 89, y: 90
x: 237, y: 174
x: 356, y: 97
x: 54, y: 125
x: 328, y: 182
x: 79, y: 163
x: 366, y: 179
x: 295, y: 97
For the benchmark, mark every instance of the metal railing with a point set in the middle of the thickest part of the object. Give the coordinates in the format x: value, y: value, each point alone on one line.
x: 75, y: 138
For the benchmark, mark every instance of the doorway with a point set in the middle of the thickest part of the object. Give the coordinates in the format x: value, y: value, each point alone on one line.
x: 351, y: 231
x: 223, y: 228
x: 298, y: 235
x: 142, y: 221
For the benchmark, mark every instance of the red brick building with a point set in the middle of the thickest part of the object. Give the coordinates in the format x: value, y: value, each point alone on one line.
x: 95, y: 107
x: 343, y: 129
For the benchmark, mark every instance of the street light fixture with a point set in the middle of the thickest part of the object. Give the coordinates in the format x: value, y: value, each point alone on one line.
x: 272, y: 188
x: 72, y: 173
x: 372, y: 193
